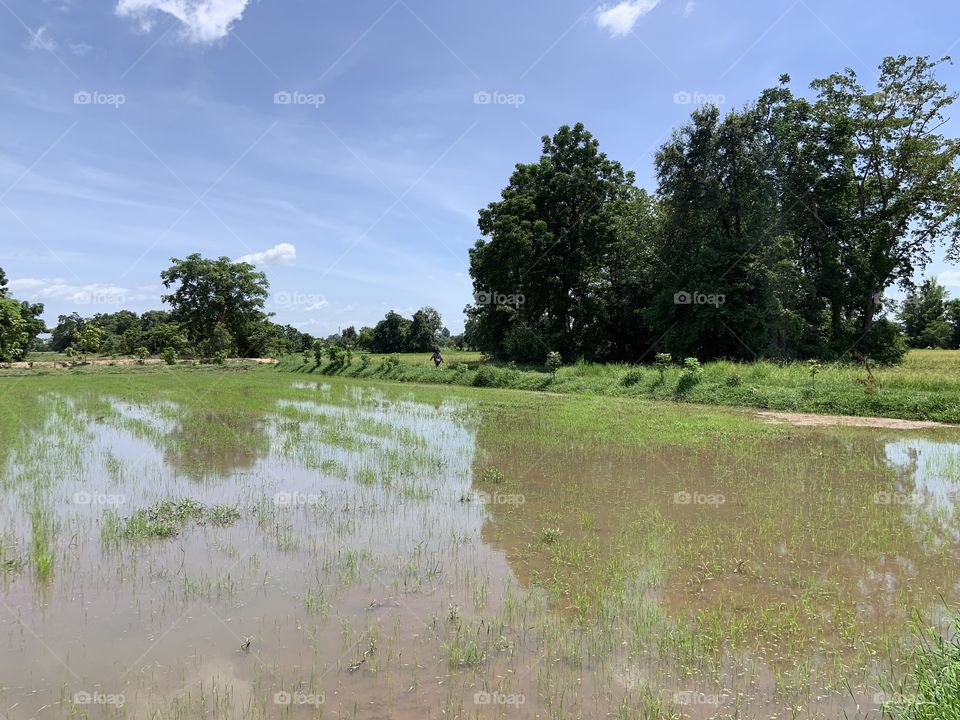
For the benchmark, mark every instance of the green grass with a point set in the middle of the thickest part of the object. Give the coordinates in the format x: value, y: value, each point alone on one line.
x: 925, y: 387
x: 934, y: 688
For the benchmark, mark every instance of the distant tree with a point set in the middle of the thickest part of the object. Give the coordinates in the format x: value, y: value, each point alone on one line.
x: 365, y: 339
x: 89, y: 339
x: 66, y: 332
x: 348, y: 338
x: 391, y: 335
x: 216, y: 297
x: 923, y: 316
x: 3, y: 283
x: 425, y: 330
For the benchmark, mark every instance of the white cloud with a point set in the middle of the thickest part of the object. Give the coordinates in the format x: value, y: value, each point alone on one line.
x: 620, y: 19
x: 282, y: 254
x: 93, y: 294
x: 40, y: 40
x: 950, y: 279
x: 205, y: 21
x: 689, y: 8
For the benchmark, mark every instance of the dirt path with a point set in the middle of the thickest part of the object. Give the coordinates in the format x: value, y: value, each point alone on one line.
x: 812, y: 420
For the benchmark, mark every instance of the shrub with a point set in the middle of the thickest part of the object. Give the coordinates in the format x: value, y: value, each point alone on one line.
x: 142, y: 354
x: 391, y: 361
x: 318, y: 352
x: 632, y: 377
x: 219, y: 357
x: 690, y: 376
x: 170, y: 356
x: 485, y: 376
x: 733, y: 380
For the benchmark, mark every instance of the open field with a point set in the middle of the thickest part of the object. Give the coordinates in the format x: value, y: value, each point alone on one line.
x: 229, y: 542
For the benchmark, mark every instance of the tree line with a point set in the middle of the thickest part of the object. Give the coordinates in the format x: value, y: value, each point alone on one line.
x: 774, y: 231
x: 217, y: 310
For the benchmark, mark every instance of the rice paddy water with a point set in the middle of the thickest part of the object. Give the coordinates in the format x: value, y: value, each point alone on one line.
x: 242, y: 545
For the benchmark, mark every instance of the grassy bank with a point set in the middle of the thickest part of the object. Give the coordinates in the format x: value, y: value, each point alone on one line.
x: 925, y: 387
x: 933, y: 691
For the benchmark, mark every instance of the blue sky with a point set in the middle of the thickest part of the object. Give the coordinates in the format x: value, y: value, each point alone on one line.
x: 346, y: 147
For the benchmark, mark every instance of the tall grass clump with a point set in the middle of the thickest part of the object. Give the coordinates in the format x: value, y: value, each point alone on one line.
x: 934, y: 692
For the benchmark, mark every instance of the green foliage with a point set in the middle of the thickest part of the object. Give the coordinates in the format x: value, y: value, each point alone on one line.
x: 690, y: 376
x: 89, y: 339
x: 924, y: 317
x: 554, y: 362
x: 142, y: 354
x: 392, y: 334
x: 726, y: 261
x: 218, y: 298
x: 169, y: 356
x: 14, y: 334
x: 934, y: 689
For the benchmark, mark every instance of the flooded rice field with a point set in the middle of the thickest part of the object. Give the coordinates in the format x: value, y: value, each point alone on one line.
x: 262, y: 547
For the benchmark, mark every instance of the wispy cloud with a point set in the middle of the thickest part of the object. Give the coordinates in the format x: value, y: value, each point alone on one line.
x: 689, y: 8
x: 282, y: 254
x: 620, y: 19
x: 41, y: 40
x: 92, y: 294
x: 204, y: 21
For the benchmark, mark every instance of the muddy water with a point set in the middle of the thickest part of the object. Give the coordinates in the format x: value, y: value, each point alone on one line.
x: 400, y: 557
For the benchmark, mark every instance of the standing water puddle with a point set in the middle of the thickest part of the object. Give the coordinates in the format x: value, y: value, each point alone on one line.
x: 359, y: 552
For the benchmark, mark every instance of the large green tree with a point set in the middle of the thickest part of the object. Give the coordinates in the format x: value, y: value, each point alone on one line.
x: 219, y: 303
x: 540, y: 276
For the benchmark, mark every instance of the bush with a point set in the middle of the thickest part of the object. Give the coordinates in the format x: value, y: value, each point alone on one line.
x: 142, y: 354
x: 690, y: 376
x: 632, y: 377
x: 219, y: 357
x: 485, y: 377
x: 733, y: 380
x: 391, y: 361
x: 170, y: 356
